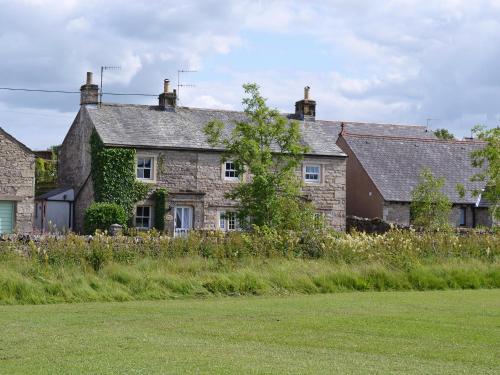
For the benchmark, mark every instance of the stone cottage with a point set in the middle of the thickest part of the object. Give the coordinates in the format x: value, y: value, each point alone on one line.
x: 172, y: 152
x: 383, y: 169
x: 17, y: 185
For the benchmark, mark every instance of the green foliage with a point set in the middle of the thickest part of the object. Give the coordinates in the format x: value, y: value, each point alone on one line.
x: 430, y: 207
x: 100, y: 215
x: 444, y: 134
x: 488, y: 158
x: 98, y: 256
x: 113, y: 174
x: 46, y: 173
x: 268, y: 147
x: 160, y: 206
x: 265, y: 263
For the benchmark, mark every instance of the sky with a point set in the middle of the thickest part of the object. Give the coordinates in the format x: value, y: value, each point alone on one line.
x: 407, y: 61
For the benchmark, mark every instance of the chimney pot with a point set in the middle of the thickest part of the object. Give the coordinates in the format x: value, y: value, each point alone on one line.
x: 89, y: 91
x: 89, y: 78
x: 167, y: 100
x: 305, y: 109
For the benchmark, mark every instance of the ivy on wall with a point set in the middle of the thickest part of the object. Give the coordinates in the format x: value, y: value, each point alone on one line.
x: 113, y: 174
x: 160, y: 206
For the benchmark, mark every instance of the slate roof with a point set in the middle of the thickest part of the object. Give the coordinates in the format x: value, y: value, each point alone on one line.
x: 379, y: 129
x: 394, y: 164
x: 149, y: 127
x: 52, y: 193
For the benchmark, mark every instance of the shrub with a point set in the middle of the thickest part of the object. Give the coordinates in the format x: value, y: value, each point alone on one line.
x: 430, y: 207
x: 102, y: 215
x: 160, y: 205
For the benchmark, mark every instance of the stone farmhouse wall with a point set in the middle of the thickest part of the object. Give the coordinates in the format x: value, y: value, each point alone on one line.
x: 193, y: 178
x: 74, y: 166
x: 17, y: 181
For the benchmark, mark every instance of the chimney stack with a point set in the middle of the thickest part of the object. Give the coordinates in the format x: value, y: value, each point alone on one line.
x: 89, y: 92
x: 305, y: 109
x: 167, y: 100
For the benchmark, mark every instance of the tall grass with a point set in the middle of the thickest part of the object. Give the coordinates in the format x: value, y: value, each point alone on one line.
x: 73, y: 269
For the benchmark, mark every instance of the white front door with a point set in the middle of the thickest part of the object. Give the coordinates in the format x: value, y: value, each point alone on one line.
x: 183, y: 220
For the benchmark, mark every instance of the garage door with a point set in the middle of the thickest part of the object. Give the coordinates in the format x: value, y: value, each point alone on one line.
x: 6, y: 217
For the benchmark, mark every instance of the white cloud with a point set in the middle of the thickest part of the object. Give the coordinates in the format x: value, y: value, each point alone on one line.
x: 79, y: 24
x: 394, y: 61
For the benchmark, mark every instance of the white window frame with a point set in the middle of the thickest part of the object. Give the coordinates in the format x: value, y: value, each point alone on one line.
x: 152, y: 177
x: 225, y: 170
x: 150, y: 217
x: 185, y: 227
x: 319, y: 173
x: 228, y: 221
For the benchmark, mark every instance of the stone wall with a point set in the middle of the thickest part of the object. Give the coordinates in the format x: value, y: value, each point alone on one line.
x: 195, y: 179
x: 17, y: 180
x: 373, y: 225
x: 74, y: 165
x: 397, y: 213
x: 455, y: 216
x: 483, y: 217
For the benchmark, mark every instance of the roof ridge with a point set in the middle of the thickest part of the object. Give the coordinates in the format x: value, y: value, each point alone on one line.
x: 347, y: 122
x: 385, y: 123
x: 437, y: 140
x: 179, y: 107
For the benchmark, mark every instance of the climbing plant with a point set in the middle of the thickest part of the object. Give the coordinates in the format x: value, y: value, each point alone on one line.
x: 160, y: 206
x: 46, y: 172
x: 113, y: 174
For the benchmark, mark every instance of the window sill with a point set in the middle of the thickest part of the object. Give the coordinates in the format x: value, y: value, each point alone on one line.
x: 146, y: 180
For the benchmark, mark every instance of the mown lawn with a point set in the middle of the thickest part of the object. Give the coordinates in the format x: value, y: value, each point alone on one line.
x: 445, y: 332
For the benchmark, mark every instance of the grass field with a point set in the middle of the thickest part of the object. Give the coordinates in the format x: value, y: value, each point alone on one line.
x: 440, y: 332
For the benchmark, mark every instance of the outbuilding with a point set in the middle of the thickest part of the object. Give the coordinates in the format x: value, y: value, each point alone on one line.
x: 17, y: 185
x: 54, y: 211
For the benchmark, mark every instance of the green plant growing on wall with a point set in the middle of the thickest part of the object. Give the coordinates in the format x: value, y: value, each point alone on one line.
x: 113, y: 174
x: 160, y: 206
x: 430, y: 207
x: 46, y: 173
x: 268, y: 146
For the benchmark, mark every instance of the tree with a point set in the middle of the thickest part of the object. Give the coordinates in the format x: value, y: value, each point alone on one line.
x: 267, y: 146
x: 444, y: 134
x: 488, y: 158
x: 430, y: 207
x: 46, y: 172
